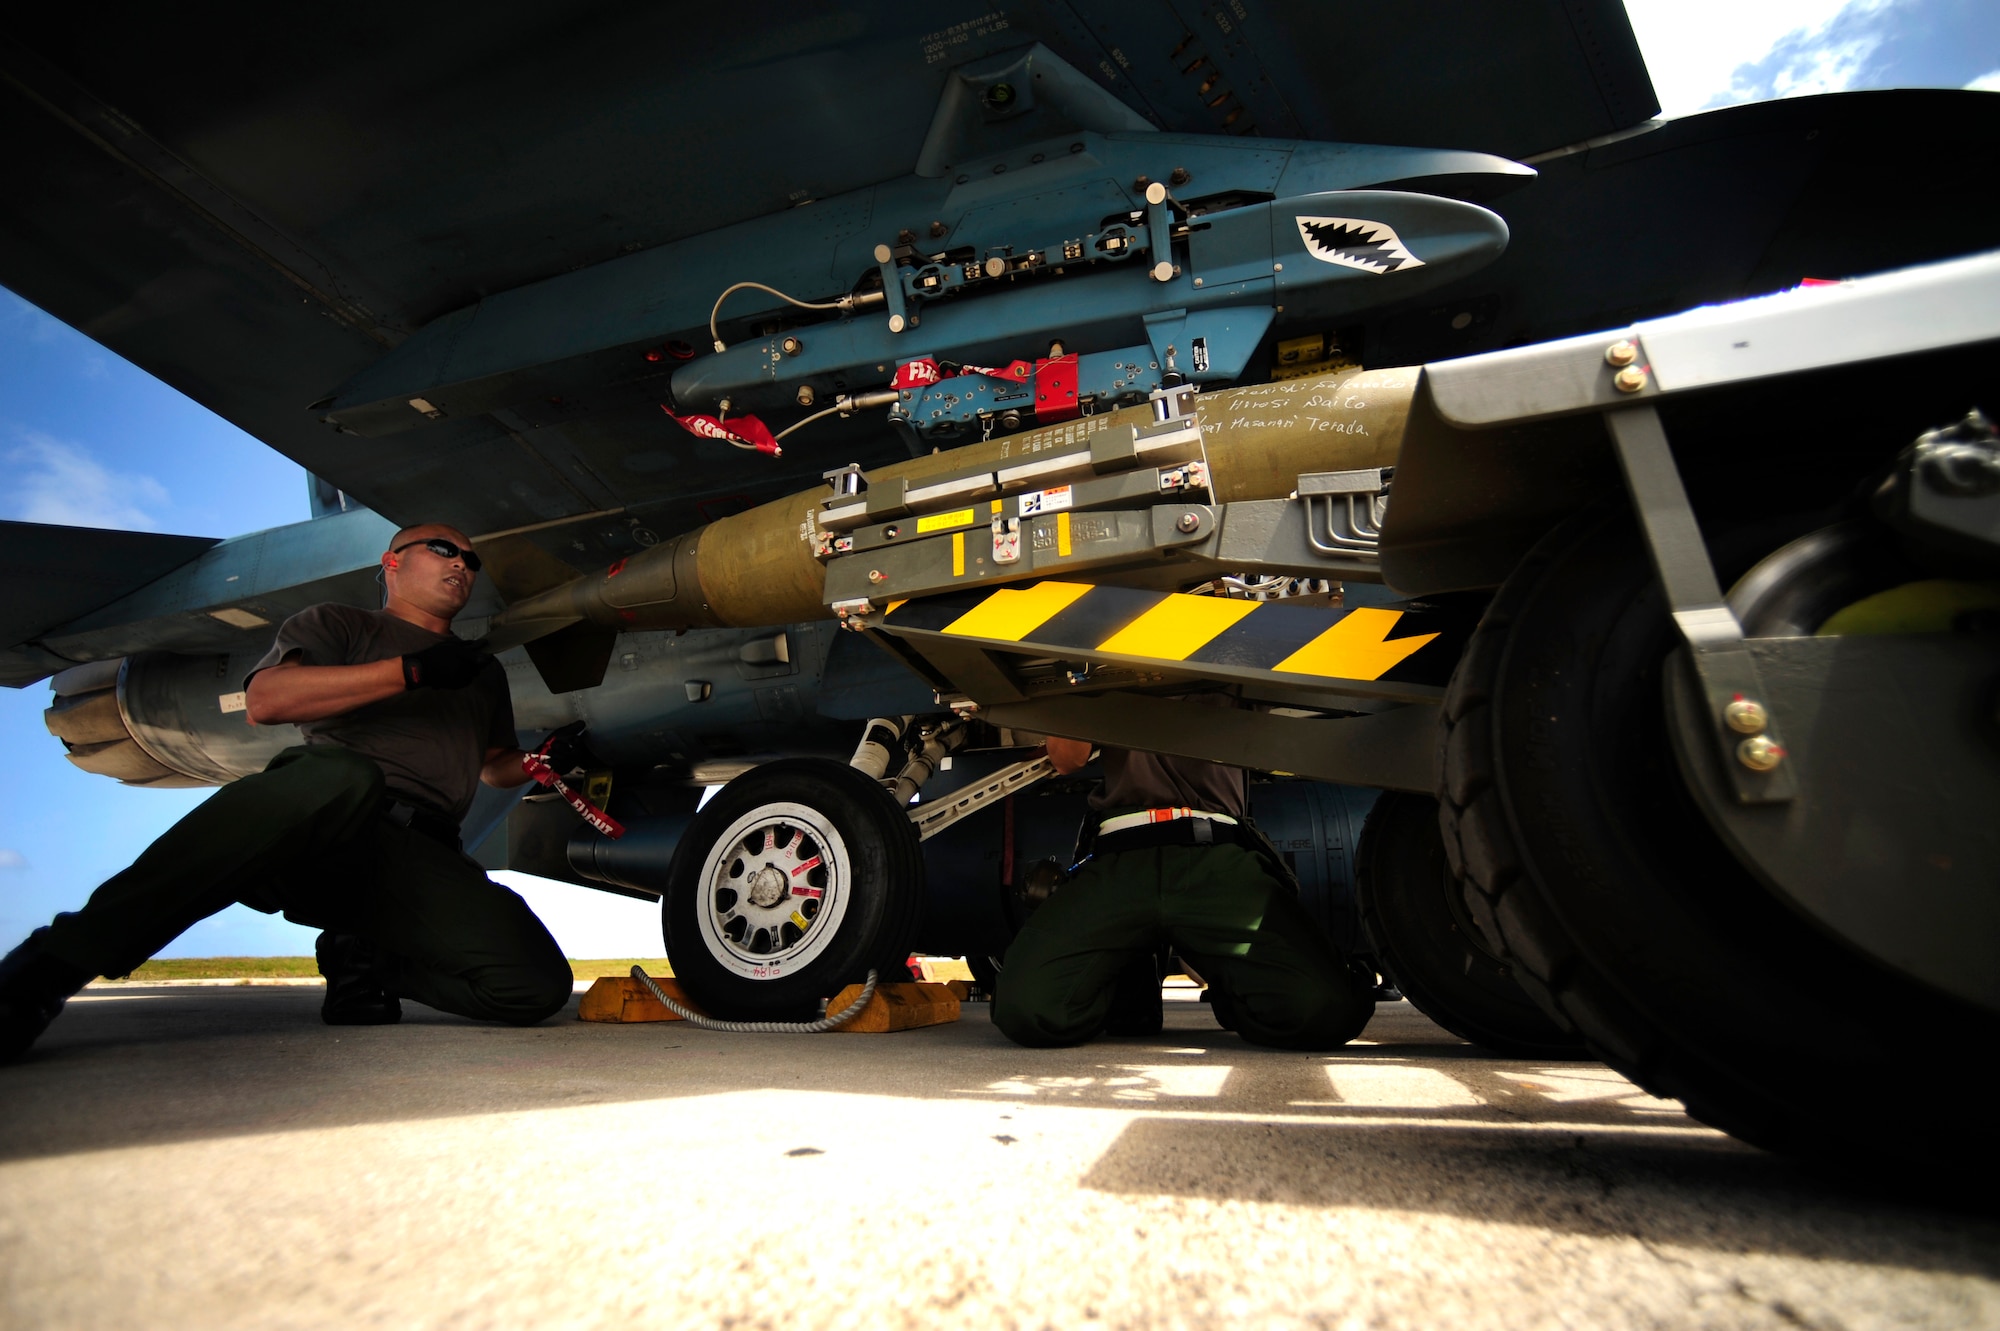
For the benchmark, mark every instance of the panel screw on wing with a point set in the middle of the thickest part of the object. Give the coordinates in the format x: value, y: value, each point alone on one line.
x: 1631, y: 379
x: 1620, y: 354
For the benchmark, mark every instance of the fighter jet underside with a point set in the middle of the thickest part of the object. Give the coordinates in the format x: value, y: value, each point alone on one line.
x: 845, y: 401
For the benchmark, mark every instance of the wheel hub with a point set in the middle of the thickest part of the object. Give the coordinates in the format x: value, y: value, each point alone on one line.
x: 767, y: 886
x: 774, y: 887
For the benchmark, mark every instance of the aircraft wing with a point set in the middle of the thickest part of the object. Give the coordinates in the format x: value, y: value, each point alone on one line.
x: 258, y: 212
x: 57, y: 574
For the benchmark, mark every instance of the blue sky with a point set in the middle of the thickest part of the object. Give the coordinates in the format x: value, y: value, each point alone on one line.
x: 1709, y: 53
x: 89, y: 440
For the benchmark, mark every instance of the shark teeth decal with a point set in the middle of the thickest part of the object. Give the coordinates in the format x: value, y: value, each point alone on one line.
x: 1353, y: 242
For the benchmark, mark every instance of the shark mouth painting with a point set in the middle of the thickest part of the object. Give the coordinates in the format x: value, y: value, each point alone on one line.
x: 1373, y: 247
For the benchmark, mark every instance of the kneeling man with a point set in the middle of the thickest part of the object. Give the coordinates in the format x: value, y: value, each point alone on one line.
x: 1175, y: 863
x: 354, y: 831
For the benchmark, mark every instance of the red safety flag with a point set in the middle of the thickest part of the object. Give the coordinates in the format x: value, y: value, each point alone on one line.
x: 916, y: 374
x: 925, y: 371
x: 537, y: 766
x: 742, y: 431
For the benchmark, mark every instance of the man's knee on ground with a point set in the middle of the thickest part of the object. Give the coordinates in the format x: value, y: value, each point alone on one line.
x: 525, y: 994
x: 1038, y: 1025
x: 1308, y: 1023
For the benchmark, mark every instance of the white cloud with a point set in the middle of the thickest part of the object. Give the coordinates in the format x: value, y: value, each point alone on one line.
x: 1696, y: 50
x: 61, y: 483
x: 1987, y: 82
x: 12, y: 859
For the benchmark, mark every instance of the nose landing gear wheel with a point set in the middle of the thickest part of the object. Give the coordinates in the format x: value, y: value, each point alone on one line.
x: 1587, y: 863
x: 796, y: 879
x: 1415, y: 916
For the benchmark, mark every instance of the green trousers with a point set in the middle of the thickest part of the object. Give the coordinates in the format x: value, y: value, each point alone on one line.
x: 1221, y: 909
x: 307, y: 836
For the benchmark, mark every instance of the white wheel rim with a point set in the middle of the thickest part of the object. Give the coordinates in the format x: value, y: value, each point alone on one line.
x: 774, y: 889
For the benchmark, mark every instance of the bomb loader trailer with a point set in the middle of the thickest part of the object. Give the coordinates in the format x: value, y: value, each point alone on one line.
x: 1738, y: 841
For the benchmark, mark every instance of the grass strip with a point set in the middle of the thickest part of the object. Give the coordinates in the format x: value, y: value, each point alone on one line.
x: 228, y: 968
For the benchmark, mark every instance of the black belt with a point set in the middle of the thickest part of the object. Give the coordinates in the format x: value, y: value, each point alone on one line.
x: 429, y: 822
x: 1178, y: 832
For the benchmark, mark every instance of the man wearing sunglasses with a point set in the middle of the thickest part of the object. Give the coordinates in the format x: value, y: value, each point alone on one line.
x: 354, y: 831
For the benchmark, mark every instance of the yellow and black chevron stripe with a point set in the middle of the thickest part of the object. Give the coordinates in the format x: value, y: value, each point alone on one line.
x: 1410, y: 644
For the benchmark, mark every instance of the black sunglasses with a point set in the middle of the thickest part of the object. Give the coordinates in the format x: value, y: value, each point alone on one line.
x: 443, y: 549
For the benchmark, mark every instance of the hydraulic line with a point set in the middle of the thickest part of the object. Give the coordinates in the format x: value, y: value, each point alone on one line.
x: 845, y: 406
x: 831, y: 1022
x: 843, y: 303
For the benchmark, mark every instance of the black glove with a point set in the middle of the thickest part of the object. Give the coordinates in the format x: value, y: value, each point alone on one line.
x: 452, y: 664
x: 565, y: 750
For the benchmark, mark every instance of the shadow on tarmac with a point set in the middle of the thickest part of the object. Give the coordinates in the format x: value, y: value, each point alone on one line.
x: 1416, y: 1122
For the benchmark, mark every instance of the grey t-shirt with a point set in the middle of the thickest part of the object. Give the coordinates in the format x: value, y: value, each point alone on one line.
x: 429, y: 743
x: 1135, y: 780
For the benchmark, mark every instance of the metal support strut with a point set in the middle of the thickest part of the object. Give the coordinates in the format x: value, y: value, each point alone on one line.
x: 1745, y: 733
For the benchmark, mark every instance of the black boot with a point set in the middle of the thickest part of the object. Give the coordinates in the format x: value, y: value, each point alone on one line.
x: 357, y: 989
x: 1135, y: 999
x: 33, y: 988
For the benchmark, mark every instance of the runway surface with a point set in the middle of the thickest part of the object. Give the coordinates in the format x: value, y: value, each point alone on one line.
x: 216, y: 1157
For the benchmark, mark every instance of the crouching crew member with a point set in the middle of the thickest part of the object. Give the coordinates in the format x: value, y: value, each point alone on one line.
x: 354, y: 831
x: 1175, y: 863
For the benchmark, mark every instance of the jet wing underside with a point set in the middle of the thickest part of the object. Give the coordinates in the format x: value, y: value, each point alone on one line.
x: 257, y: 212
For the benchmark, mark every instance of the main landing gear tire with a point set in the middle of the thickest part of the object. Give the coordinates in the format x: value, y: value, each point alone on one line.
x: 797, y: 878
x: 1416, y: 918
x: 1593, y: 873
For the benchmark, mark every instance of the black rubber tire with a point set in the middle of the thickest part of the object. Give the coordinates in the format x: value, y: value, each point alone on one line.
x: 1590, y: 869
x: 1415, y: 917
x: 882, y: 911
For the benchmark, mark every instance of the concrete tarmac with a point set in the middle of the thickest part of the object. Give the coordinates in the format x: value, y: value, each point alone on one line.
x: 217, y: 1158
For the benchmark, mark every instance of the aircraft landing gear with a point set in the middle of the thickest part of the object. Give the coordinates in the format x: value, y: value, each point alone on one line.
x: 1591, y: 867
x: 796, y: 879
x: 1413, y: 913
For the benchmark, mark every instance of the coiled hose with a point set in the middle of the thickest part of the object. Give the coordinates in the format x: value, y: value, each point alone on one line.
x: 831, y: 1022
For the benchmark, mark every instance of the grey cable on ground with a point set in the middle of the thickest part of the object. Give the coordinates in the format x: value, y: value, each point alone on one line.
x: 831, y: 1022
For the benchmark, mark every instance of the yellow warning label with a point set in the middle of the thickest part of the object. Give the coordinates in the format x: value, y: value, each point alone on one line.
x: 1177, y: 627
x: 1354, y: 648
x: 1062, y: 533
x: 801, y: 921
x: 1013, y: 613
x: 958, y: 554
x: 945, y: 521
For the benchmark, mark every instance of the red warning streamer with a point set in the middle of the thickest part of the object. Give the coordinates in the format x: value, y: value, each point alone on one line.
x: 743, y: 431
x: 537, y: 766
